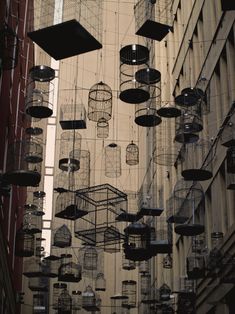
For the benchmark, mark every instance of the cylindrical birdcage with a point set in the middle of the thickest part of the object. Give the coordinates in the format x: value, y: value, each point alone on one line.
x: 100, y: 102
x: 76, y: 301
x: 113, y: 161
x: 64, y: 302
x: 145, y: 284
x: 163, y: 237
x: 90, y: 258
x: 196, y: 267
x: 228, y: 134
x: 187, y: 126
x: 39, y: 304
x: 72, y: 112
x: 24, y: 244
x: 190, y: 97
x: 33, y: 267
x: 32, y: 221
x: 9, y: 48
x: 215, y: 256
x: 132, y: 154
x: 127, y: 264
x: 24, y: 163
x: 70, y: 150
x: 50, y: 265
x: 129, y: 290
x: 144, y: 267
x: 62, y: 237
x: 88, y: 299
x: 39, y: 99
x: 102, y: 128
x: 169, y: 154
x: 38, y: 284
x: 68, y: 270
x: 57, y: 290
x: 100, y: 282
x: 116, y: 304
x: 230, y: 168
x: 42, y: 73
x: 198, y: 161
x: 164, y: 292
x: 188, y: 197
x: 134, y: 60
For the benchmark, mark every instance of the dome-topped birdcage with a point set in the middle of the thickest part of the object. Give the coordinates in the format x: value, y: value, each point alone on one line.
x: 50, y: 265
x: 150, y: 20
x: 164, y: 292
x: 90, y: 258
x: 167, y: 262
x: 197, y: 165
x: 32, y: 221
x: 58, y: 288
x: 76, y: 301
x: 68, y: 270
x: 70, y: 150
x: 127, y: 264
x: 188, y: 197
x: 230, y: 168
x: 134, y: 60
x: 132, y: 154
x: 64, y: 302
x: 102, y: 128
x: 100, y: 282
x: 100, y: 102
x: 195, y: 266
x: 145, y: 283
x: 62, y: 237
x: 24, y: 244
x: 9, y: 47
x: 214, y: 259
x: 24, y: 163
x: 88, y: 299
x: 113, y: 160
x: 129, y: 290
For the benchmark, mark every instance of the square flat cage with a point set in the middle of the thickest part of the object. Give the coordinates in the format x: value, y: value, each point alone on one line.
x: 66, y: 31
x: 153, y: 20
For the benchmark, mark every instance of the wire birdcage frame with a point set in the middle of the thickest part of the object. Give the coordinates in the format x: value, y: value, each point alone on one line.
x: 132, y: 154
x: 40, y: 284
x: 62, y: 237
x: 129, y: 290
x: 113, y: 161
x: 69, y: 271
x: 32, y: 221
x: 76, y: 301
x: 57, y: 290
x: 102, y: 128
x: 65, y: 302
x: 9, y: 48
x: 24, y: 244
x: 230, y: 168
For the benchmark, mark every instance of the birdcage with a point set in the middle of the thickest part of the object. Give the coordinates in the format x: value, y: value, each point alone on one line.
x: 127, y: 209
x: 137, y: 241
x: 62, y: 237
x: 168, y: 110
x: 116, y: 304
x: 24, y: 163
x: 112, y: 160
x: 127, y: 264
x: 186, y: 302
x: 187, y: 126
x: 150, y: 204
x: 100, y: 102
x: 102, y: 128
x: 214, y: 259
x: 69, y: 206
x: 64, y: 302
x: 188, y: 198
x: 39, y: 304
x: 134, y: 59
x: 163, y: 237
x: 33, y: 267
x: 24, y: 244
x: 198, y: 161
x: 32, y: 221
x: 70, y: 151
x: 144, y: 267
x: 112, y: 240
x: 190, y: 97
x: 90, y: 258
x: 38, y: 284
x: 196, y: 268
x: 50, y: 265
x: 100, y: 282
x: 230, y: 168
x: 42, y: 73
x: 228, y: 134
x: 132, y: 154
x: 89, y: 299
x: 76, y: 21
x: 9, y: 47
x: 76, y: 301
x: 68, y: 270
x: 167, y: 262
x: 145, y: 283
x: 169, y: 154
x: 129, y: 290
x: 39, y: 97
x: 58, y: 288
x: 164, y: 292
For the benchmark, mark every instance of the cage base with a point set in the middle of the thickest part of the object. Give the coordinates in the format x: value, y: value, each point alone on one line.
x: 148, y: 120
x: 134, y: 95
x: 23, y: 253
x: 69, y: 164
x: 197, y: 174
x: 42, y: 73
x: 33, y: 274
x: 39, y: 112
x: 146, y: 211
x: 160, y: 248
x: 189, y: 230
x: 137, y: 255
x: 186, y: 100
x: 33, y: 230
x: 196, y: 273
x: 153, y: 30
x: 65, y: 40
x: 69, y: 278
x: 229, y: 143
x: 91, y: 308
x: 186, y: 138
x: 169, y: 112
x: 72, y: 124
x: 148, y: 76
x: 22, y: 177
x: 71, y: 212
x: 39, y: 289
x: 227, y: 5
x: 128, y: 217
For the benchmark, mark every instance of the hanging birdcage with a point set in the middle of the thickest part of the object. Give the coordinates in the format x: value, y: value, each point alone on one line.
x: 116, y: 304
x: 33, y: 267
x: 127, y: 210
x: 24, y: 163
x: 42, y: 73
x: 164, y: 292
x: 70, y: 150
x: 150, y: 204
x: 79, y: 22
x: 50, y: 265
x: 100, y: 282
x: 127, y: 264
x: 132, y: 154
x: 58, y: 288
x: 168, y: 110
x: 76, y: 301
x: 112, y: 160
x: 24, y: 244
x: 228, y: 134
x: 39, y: 249
x: 137, y: 242
x: 112, y: 240
x: 214, y: 260
x: 69, y: 206
x: 90, y: 258
x: 39, y: 304
x: 188, y: 197
x: 64, y: 302
x: 9, y: 48
x: 169, y: 154
x: 133, y: 59
x: 38, y: 284
x: 32, y: 221
x: 72, y: 113
x: 187, y: 126
x: 89, y: 299
x: 154, y: 19
x: 68, y: 270
x: 145, y: 284
x: 129, y: 290
x: 167, y: 262
x: 190, y: 97
x: 163, y: 239
x: 230, y: 168
x: 62, y: 237
x: 102, y: 128
x: 144, y: 267
x: 195, y: 267
x: 198, y: 161
x: 100, y: 102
